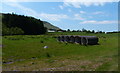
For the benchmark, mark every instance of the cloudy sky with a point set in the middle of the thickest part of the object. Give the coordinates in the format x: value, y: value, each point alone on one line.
x: 77, y: 14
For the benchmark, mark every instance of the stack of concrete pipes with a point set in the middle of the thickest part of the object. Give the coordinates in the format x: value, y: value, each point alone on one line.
x: 83, y: 40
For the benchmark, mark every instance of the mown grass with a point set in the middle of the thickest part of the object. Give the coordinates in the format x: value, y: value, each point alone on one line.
x: 26, y: 53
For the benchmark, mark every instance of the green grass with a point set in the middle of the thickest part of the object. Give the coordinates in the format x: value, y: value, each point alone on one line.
x: 59, y: 56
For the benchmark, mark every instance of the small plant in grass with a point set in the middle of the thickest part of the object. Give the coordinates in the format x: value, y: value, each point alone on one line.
x: 5, y: 37
x: 66, y: 43
x: 41, y: 41
x: 48, y: 55
x: 33, y: 58
x: 4, y: 62
x: 32, y: 63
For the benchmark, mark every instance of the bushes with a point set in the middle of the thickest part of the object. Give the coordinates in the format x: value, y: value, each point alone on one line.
x: 12, y: 31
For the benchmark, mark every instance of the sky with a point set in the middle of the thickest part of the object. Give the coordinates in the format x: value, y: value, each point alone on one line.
x: 100, y: 15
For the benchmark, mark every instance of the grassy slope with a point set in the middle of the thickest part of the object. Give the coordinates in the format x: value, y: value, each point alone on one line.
x: 50, y: 26
x: 59, y: 56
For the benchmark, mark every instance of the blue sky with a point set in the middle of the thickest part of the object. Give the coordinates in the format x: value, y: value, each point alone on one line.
x: 70, y: 15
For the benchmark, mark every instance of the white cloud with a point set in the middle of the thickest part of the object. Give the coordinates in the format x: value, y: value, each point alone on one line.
x: 79, y: 3
x: 99, y: 22
x: 82, y: 12
x: 78, y: 17
x: 61, y: 7
x: 74, y: 3
x: 30, y: 12
x: 25, y: 10
x: 98, y: 12
x: 53, y: 17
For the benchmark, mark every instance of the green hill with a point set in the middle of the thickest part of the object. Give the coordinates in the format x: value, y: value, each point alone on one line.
x: 50, y: 26
x: 14, y: 24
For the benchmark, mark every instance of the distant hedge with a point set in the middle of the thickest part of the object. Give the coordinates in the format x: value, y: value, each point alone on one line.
x: 13, y: 24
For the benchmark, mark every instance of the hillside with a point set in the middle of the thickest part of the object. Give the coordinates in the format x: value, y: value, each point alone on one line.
x: 13, y: 24
x: 50, y: 26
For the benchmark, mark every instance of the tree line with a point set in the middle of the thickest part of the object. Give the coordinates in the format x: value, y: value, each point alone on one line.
x: 84, y: 30
x: 13, y: 24
x: 90, y: 31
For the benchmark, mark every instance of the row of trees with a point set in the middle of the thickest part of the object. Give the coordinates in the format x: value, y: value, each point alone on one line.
x: 84, y: 30
x: 19, y: 24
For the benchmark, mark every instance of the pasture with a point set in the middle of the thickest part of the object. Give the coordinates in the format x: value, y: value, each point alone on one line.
x: 27, y: 53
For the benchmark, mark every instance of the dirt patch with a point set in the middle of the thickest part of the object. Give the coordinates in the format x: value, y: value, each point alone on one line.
x: 60, y: 65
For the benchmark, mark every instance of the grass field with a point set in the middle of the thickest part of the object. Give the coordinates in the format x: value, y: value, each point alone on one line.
x: 27, y: 53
